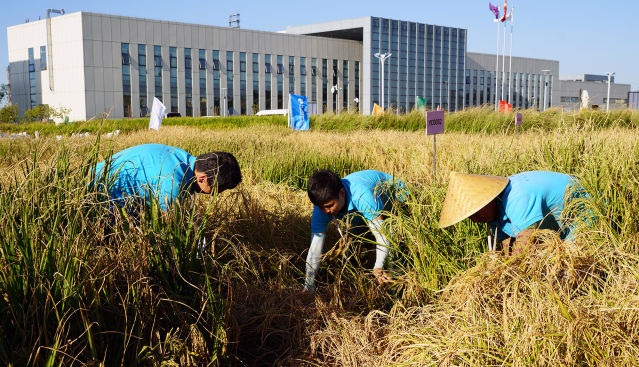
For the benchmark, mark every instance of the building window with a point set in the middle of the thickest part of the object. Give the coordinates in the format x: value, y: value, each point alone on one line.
x: 229, y: 84
x: 256, y: 83
x: 267, y: 67
x: 32, y: 85
x: 216, y: 83
x: 157, y: 74
x: 203, y: 102
x: 267, y: 82
x: 188, y: 83
x: 280, y: 82
x: 291, y: 74
x: 126, y: 80
x: 43, y: 57
x: 173, y: 85
x: 243, y: 83
x: 142, y: 80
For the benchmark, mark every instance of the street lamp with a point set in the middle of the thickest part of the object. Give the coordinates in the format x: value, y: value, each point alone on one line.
x: 447, y: 87
x: 545, y: 72
x: 608, y: 96
x: 382, y: 58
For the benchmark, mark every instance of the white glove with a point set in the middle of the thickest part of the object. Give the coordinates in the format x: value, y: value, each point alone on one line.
x: 381, y: 251
x: 313, y: 259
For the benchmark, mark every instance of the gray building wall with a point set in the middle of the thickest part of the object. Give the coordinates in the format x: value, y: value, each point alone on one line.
x: 532, y: 81
x: 570, y: 93
x: 87, y: 61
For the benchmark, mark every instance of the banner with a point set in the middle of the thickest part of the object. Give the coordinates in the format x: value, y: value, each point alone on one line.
x: 298, y: 112
x: 377, y: 110
x: 157, y: 113
x: 420, y: 103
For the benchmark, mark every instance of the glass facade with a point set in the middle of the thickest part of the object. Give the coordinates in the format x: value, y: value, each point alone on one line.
x: 243, y: 83
x: 32, y: 79
x: 280, y: 82
x: 188, y: 84
x: 216, y: 83
x: 202, y: 83
x: 126, y: 79
x: 157, y: 71
x: 426, y: 61
x: 173, y: 78
x: 228, y: 95
x: 267, y: 81
x: 142, y: 85
x: 256, y: 82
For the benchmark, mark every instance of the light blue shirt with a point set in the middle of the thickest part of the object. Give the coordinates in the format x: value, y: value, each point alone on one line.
x: 534, y: 198
x: 366, y: 195
x: 148, y: 171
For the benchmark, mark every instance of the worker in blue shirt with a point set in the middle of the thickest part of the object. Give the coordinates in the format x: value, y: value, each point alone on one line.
x: 166, y: 174
x: 366, y: 193
x: 513, y: 206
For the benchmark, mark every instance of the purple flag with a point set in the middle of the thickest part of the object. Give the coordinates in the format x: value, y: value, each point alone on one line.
x: 494, y: 9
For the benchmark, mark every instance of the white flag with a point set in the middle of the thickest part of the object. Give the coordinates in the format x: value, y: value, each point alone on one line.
x: 157, y: 113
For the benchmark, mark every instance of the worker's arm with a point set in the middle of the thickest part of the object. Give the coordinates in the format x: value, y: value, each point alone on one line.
x: 313, y: 259
x: 381, y: 251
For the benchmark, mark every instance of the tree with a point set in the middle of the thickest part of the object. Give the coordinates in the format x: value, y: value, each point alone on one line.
x: 9, y: 113
x: 4, y: 92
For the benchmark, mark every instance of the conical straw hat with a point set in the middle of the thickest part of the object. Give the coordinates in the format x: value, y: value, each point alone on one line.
x: 467, y: 194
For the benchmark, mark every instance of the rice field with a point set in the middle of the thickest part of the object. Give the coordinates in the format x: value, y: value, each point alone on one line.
x: 84, y: 285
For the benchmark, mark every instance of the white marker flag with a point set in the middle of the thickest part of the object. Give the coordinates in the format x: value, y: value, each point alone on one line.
x: 157, y: 113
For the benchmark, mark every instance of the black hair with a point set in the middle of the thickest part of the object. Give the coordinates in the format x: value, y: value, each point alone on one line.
x: 221, y: 169
x: 324, y: 185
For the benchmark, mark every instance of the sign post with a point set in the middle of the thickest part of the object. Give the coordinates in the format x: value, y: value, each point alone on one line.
x: 518, y: 120
x: 434, y: 126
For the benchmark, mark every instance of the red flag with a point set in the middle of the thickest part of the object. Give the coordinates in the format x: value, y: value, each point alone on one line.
x: 503, y: 19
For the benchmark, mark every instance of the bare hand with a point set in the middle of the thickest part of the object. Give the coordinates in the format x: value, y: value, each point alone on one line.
x: 382, y: 276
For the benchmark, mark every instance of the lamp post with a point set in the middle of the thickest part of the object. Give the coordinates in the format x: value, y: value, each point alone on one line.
x: 382, y: 58
x: 224, y: 106
x: 608, y: 95
x: 447, y: 87
x: 545, y: 73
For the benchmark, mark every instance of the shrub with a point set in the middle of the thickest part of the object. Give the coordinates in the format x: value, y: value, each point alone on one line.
x: 9, y: 113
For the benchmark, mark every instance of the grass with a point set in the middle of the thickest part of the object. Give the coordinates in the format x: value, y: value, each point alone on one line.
x: 82, y: 284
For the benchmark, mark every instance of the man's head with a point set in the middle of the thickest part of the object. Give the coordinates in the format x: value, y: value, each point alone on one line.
x: 473, y: 196
x: 216, y: 172
x: 326, y: 191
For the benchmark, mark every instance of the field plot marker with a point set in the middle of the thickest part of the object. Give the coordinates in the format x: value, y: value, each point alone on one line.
x: 434, y: 126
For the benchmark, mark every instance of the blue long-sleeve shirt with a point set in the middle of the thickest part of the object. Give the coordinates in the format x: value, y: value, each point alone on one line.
x: 149, y: 172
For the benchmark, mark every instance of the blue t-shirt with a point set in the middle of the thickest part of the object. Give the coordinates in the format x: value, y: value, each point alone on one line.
x: 367, y: 194
x: 148, y: 171
x: 535, y: 197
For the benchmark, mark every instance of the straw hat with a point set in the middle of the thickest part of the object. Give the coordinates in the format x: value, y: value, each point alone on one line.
x: 467, y: 194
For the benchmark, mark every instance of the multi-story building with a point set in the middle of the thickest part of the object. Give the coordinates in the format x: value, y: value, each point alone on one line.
x: 105, y: 65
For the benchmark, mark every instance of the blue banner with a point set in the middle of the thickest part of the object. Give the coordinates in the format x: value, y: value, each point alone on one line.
x: 298, y: 112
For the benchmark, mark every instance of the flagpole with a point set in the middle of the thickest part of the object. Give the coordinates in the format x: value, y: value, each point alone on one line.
x: 497, y: 68
x: 510, y: 66
x: 503, y: 65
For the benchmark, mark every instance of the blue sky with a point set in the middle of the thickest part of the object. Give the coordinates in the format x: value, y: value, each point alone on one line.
x: 584, y: 36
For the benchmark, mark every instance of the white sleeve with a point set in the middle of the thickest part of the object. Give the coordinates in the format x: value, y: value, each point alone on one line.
x: 382, y: 243
x: 313, y: 259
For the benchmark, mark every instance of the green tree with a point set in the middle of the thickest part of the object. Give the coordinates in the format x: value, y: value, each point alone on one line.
x: 9, y: 113
x: 4, y: 92
x: 44, y: 113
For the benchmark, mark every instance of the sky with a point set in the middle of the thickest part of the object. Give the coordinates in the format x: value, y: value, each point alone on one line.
x: 586, y: 37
